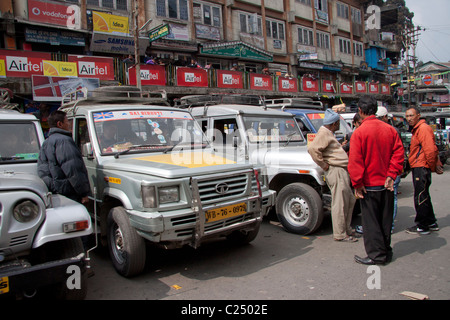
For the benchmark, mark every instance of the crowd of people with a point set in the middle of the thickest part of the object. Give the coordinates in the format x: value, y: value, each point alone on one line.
x: 371, y: 164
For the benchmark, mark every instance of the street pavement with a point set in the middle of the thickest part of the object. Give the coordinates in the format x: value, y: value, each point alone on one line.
x: 279, y: 265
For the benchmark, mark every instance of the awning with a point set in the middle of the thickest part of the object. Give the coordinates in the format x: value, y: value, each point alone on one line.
x: 236, y: 49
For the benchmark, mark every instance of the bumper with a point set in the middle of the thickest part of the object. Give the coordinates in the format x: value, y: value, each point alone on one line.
x: 268, y: 201
x: 18, y: 279
x: 188, y: 226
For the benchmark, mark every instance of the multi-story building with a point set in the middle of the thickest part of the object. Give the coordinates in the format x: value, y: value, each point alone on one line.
x: 321, y: 44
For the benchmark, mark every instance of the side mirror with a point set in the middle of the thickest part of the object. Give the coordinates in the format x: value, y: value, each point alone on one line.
x: 87, y: 151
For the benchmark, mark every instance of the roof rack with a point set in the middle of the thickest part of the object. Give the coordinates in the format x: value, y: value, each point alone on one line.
x: 112, y: 95
x: 218, y: 98
x: 297, y: 103
x: 5, y: 97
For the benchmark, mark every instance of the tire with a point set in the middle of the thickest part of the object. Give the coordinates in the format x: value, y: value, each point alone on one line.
x: 299, y: 208
x: 241, y: 237
x: 126, y: 248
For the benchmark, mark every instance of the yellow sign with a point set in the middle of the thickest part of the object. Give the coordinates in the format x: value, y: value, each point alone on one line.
x: 110, y: 23
x: 2, y: 68
x: 59, y: 68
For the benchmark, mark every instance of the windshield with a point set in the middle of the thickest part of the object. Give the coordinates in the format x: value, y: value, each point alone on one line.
x: 272, y: 129
x: 317, y: 121
x: 146, y: 131
x: 19, y: 142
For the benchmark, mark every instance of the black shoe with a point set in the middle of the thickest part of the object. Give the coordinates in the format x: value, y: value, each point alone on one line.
x: 433, y: 227
x: 417, y: 230
x: 368, y: 261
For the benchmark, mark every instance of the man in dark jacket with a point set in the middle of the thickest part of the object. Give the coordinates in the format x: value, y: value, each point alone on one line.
x: 60, y: 163
x: 375, y: 160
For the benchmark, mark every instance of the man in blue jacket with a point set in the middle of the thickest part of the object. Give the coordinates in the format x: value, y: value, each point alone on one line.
x: 60, y: 163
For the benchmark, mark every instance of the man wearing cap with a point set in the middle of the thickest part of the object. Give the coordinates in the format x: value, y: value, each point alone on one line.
x: 328, y: 153
x: 375, y: 160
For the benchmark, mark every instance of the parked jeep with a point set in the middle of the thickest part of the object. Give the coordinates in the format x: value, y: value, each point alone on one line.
x: 156, y: 178
x: 40, y: 232
x: 271, y: 138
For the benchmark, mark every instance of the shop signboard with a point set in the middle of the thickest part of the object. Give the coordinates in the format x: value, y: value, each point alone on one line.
x: 54, y: 13
x: 260, y: 82
x: 158, y: 32
x: 192, y: 77
x: 54, y: 37
x: 328, y: 86
x: 151, y: 75
x: 106, y: 42
x: 23, y: 64
x: 110, y: 23
x: 229, y: 79
x: 287, y: 84
x: 94, y: 67
x: 310, y: 85
x: 360, y: 87
x: 374, y: 88
x: 59, y: 68
x: 346, y: 88
x: 53, y: 88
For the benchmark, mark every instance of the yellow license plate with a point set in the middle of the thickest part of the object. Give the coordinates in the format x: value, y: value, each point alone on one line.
x: 4, y: 285
x: 226, y: 212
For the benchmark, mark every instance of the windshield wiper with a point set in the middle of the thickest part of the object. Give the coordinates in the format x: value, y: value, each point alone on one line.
x: 290, y: 135
x: 136, y: 146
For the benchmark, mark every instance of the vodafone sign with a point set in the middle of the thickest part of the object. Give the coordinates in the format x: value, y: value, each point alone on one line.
x: 59, y: 14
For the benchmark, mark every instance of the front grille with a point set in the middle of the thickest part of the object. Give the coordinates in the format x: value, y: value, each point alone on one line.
x: 235, y: 186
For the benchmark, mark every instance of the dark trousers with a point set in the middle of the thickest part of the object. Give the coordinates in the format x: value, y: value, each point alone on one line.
x: 377, y: 210
x: 422, y: 200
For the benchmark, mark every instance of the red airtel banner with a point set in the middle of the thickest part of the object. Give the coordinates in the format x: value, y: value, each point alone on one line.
x: 94, y: 67
x: 360, y: 87
x: 287, y: 84
x: 260, y: 82
x: 385, y: 89
x: 192, y: 77
x: 23, y: 64
x: 374, y: 88
x: 309, y: 84
x: 346, y: 88
x: 328, y: 86
x: 229, y: 79
x: 151, y: 75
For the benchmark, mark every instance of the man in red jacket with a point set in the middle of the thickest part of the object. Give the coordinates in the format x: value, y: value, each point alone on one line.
x: 375, y: 160
x: 423, y: 159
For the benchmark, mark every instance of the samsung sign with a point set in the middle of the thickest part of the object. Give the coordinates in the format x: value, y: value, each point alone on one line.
x: 105, y: 42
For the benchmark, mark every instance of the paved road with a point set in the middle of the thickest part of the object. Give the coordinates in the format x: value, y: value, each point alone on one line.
x: 279, y: 265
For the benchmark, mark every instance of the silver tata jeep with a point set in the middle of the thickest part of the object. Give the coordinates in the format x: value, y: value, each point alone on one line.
x: 40, y: 232
x: 271, y: 138
x: 156, y: 178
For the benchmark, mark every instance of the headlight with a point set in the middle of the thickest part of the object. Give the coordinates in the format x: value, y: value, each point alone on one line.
x: 168, y: 194
x: 26, y: 211
x: 148, y: 196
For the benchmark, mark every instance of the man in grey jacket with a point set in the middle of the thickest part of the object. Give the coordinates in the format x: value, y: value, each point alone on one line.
x: 328, y: 153
x: 60, y: 163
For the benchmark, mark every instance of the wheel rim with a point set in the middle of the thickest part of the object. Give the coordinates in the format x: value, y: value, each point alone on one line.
x: 297, y: 211
x: 117, y: 243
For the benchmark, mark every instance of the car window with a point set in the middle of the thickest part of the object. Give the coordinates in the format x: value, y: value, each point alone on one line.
x: 19, y: 142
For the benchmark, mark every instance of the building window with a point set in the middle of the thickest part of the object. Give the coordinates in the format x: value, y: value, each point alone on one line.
x: 305, y: 36
x: 112, y: 4
x: 323, y: 40
x: 342, y: 10
x: 358, y: 48
x: 344, y: 46
x: 207, y: 14
x: 321, y: 5
x: 274, y: 29
x: 356, y: 16
x: 176, y: 9
x: 250, y: 23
